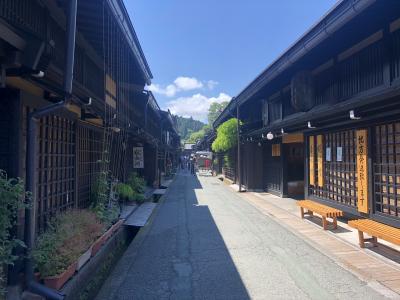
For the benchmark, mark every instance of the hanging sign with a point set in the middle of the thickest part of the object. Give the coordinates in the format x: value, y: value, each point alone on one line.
x: 311, y: 160
x: 339, y: 154
x: 138, y: 158
x: 362, y: 170
x: 320, y: 160
x: 328, y: 154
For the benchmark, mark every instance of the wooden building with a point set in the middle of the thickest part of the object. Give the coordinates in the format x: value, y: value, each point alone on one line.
x: 72, y: 102
x: 323, y: 120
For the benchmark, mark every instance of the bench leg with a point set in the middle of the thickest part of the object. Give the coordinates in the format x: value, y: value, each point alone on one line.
x: 324, y: 223
x: 302, y: 212
x: 374, y: 241
x: 334, y: 223
x: 361, y: 239
x: 310, y: 213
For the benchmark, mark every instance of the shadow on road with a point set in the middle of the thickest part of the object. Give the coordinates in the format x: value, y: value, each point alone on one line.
x: 214, y: 272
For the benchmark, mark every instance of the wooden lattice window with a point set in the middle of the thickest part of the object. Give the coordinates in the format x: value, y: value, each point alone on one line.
x: 386, y: 166
x: 56, y: 167
x: 89, y: 156
x: 339, y: 169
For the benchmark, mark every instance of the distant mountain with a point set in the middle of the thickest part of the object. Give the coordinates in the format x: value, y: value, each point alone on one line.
x: 187, y: 125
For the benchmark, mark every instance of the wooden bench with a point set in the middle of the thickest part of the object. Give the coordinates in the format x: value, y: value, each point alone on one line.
x: 376, y: 230
x: 320, y: 209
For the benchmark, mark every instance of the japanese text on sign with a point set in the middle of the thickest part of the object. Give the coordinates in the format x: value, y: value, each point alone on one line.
x: 362, y: 170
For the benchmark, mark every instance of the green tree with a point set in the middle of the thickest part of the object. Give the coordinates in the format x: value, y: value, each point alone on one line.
x: 226, y: 136
x: 198, y: 135
x: 186, y: 126
x: 215, y: 110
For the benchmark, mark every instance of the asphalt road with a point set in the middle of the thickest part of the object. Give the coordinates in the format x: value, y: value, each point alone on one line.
x: 206, y: 242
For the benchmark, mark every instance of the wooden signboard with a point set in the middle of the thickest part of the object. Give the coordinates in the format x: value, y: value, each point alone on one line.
x: 320, y: 160
x: 292, y: 138
x: 311, y: 160
x: 362, y: 170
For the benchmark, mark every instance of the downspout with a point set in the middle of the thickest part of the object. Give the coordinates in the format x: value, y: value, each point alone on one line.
x: 161, y: 140
x: 34, y: 117
x: 238, y: 149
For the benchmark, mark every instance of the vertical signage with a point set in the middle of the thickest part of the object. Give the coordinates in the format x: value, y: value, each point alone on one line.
x: 138, y: 158
x: 320, y: 160
x: 362, y: 170
x: 311, y: 160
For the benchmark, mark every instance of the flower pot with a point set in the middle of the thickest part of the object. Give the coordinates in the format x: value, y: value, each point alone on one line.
x: 83, y: 259
x: 97, y: 245
x: 57, y: 282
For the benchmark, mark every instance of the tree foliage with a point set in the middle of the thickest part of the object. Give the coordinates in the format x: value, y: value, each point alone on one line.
x: 198, y: 135
x: 215, y: 110
x: 226, y: 136
x: 186, y: 126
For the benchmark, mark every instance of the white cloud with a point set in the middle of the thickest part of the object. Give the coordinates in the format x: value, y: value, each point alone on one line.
x: 180, y: 84
x: 211, y: 84
x: 169, y: 91
x: 187, y: 83
x: 195, y: 106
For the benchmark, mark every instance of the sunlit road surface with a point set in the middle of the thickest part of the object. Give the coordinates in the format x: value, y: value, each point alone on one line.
x: 206, y: 242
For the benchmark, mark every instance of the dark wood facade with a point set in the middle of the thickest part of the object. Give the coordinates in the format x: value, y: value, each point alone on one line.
x: 108, y: 113
x: 340, y: 79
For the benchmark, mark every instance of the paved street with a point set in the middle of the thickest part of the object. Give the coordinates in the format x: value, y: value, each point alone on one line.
x: 206, y: 242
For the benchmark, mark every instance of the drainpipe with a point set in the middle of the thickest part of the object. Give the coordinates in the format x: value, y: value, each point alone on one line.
x: 34, y: 117
x: 238, y: 150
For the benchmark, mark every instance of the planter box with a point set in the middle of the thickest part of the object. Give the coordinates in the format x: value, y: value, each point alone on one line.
x: 101, y: 240
x: 83, y: 259
x: 108, y: 234
x: 97, y: 245
x: 57, y: 282
x: 117, y: 225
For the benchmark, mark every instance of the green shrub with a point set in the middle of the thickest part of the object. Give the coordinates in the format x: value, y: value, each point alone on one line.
x: 140, y: 198
x: 226, y: 136
x: 106, y: 209
x: 125, y: 191
x: 69, y: 235
x: 12, y: 196
x: 137, y: 183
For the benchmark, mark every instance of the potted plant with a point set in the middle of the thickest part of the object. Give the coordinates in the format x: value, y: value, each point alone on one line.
x: 66, y: 246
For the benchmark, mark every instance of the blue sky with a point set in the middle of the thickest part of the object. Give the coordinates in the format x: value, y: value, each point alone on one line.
x: 202, y: 51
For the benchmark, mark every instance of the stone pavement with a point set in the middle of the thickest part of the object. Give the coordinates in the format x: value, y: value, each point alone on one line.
x: 377, y: 265
x: 206, y: 241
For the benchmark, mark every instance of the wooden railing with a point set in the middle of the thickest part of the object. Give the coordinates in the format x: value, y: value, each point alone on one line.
x: 229, y: 173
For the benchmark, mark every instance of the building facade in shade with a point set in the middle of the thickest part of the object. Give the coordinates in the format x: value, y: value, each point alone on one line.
x: 323, y: 120
x: 64, y: 137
